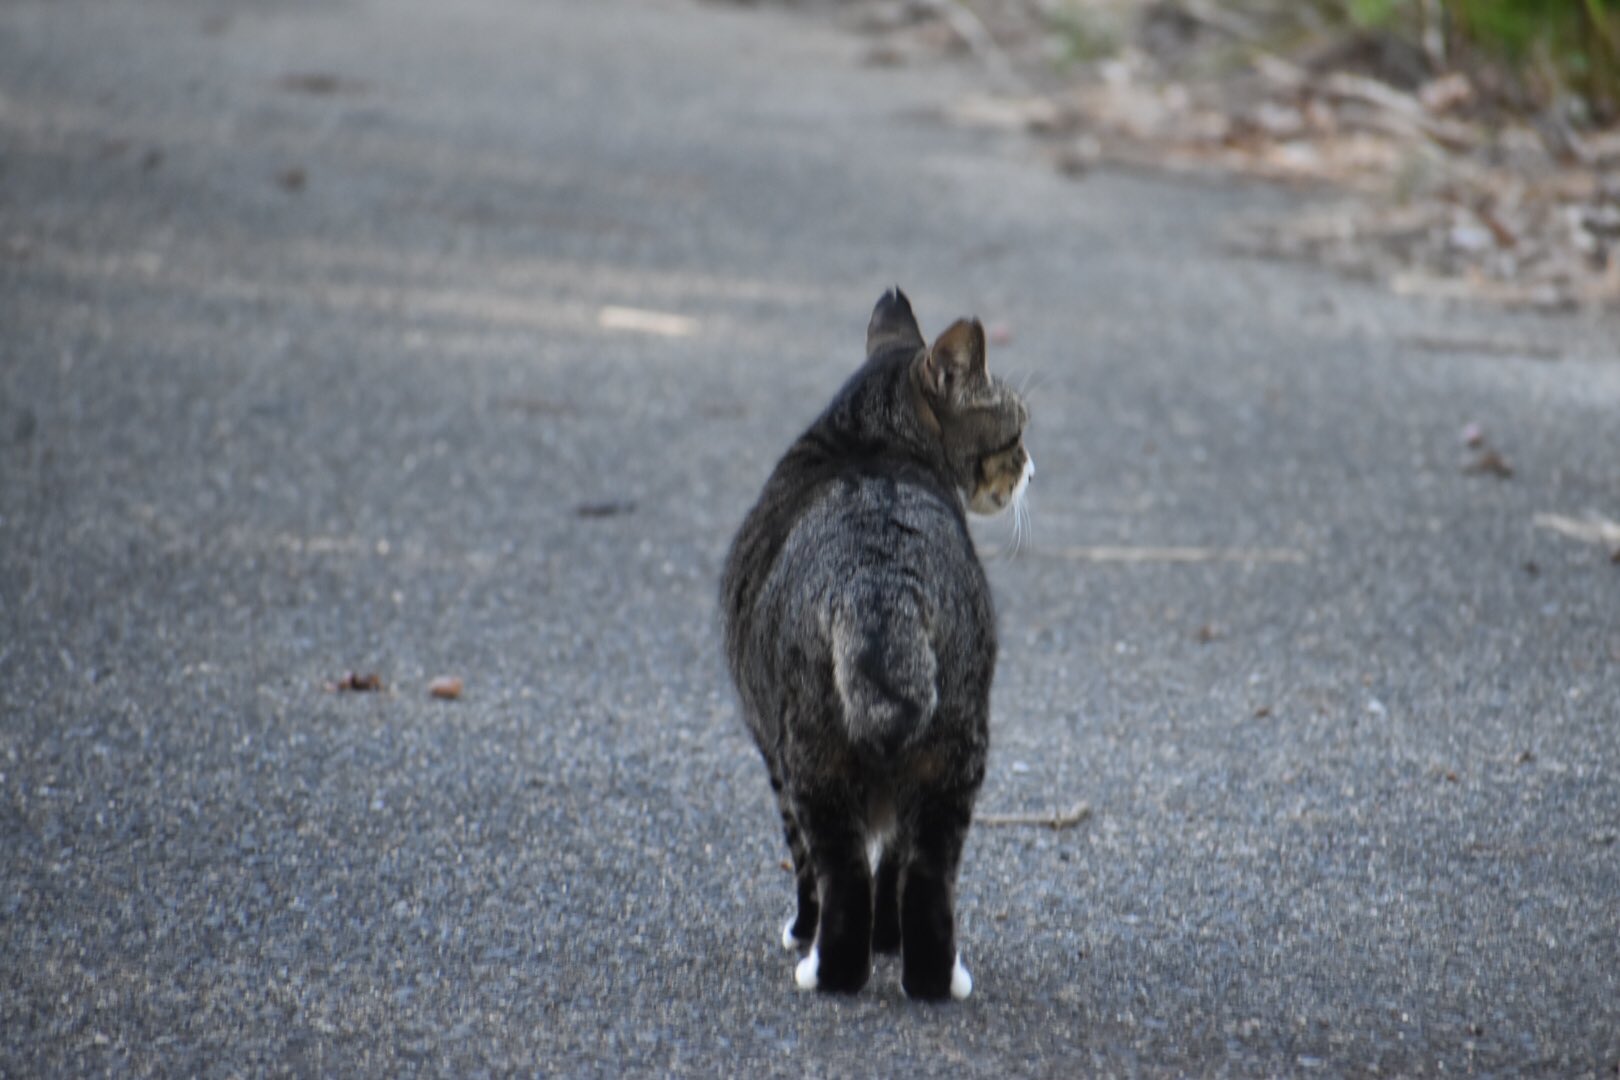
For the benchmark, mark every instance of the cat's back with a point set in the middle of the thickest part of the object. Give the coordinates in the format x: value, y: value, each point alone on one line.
x: 880, y: 521
x: 871, y: 554
x: 822, y: 522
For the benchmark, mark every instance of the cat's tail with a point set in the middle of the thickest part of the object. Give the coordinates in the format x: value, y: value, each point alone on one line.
x: 884, y: 669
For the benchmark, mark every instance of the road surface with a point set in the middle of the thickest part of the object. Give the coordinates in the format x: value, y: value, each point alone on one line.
x: 434, y: 339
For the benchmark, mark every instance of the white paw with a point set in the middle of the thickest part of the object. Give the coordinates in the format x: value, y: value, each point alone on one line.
x: 806, y: 974
x: 790, y: 942
x: 961, y: 981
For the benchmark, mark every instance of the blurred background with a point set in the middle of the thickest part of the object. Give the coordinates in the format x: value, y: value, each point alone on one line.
x: 1478, y: 136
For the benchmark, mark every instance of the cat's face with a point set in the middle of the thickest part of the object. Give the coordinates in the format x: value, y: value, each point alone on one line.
x: 981, y: 420
x: 1002, y: 476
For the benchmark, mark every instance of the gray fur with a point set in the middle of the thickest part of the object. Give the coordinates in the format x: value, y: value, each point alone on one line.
x: 861, y: 636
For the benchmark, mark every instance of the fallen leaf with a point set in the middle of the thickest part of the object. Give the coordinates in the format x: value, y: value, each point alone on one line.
x: 884, y: 56
x: 1492, y: 463
x: 446, y: 687
x: 1446, y: 93
x: 1499, y: 230
x: 319, y: 83
x: 610, y: 508
x: 354, y: 681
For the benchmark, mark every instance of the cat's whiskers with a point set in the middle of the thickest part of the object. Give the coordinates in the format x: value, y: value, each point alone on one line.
x: 1018, y: 503
x: 1032, y: 380
x: 1020, y: 522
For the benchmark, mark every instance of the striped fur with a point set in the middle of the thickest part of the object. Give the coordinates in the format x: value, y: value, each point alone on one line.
x: 861, y: 636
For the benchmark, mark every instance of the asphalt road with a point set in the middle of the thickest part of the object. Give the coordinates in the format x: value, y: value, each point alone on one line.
x: 454, y: 339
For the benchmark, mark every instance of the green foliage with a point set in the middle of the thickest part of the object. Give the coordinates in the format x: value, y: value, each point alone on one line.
x: 1571, y: 44
x: 1082, y: 36
x: 1516, y: 26
x: 1372, y: 13
x: 1556, y: 45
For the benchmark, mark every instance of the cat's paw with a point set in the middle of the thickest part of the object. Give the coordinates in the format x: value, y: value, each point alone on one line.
x: 837, y: 979
x: 936, y: 988
x: 790, y: 940
x: 961, y: 980
x: 807, y: 976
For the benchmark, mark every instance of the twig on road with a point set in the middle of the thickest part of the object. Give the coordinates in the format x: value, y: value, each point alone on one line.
x: 1120, y: 554
x: 1079, y: 812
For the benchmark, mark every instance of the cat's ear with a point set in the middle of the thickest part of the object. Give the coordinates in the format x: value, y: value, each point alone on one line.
x: 892, y: 323
x: 956, y: 357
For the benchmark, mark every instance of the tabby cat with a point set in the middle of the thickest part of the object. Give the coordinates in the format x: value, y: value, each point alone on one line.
x: 860, y: 634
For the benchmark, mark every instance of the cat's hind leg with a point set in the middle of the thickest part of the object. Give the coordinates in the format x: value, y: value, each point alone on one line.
x: 931, y: 967
x: 835, y: 834
x: 800, y: 929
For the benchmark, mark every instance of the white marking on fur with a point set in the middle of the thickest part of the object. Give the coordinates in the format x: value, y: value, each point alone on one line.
x: 1024, y: 478
x: 880, y: 826
x: 961, y: 981
x: 806, y: 975
x: 790, y: 942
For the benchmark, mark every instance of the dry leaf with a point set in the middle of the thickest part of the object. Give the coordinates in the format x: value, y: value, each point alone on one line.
x: 610, y: 508
x: 1446, y: 93
x: 1492, y: 463
x: 319, y: 83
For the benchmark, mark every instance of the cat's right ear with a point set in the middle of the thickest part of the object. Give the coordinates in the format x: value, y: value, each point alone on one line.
x: 956, y: 357
x: 892, y: 324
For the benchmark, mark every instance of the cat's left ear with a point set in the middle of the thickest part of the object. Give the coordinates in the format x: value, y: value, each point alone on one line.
x: 956, y: 356
x: 892, y: 324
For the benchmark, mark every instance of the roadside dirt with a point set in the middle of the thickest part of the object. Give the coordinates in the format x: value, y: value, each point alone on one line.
x: 1432, y: 178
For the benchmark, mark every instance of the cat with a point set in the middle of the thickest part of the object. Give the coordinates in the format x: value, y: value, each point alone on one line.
x: 861, y: 636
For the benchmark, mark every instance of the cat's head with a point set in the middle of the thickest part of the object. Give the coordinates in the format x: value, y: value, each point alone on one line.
x: 978, y: 418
